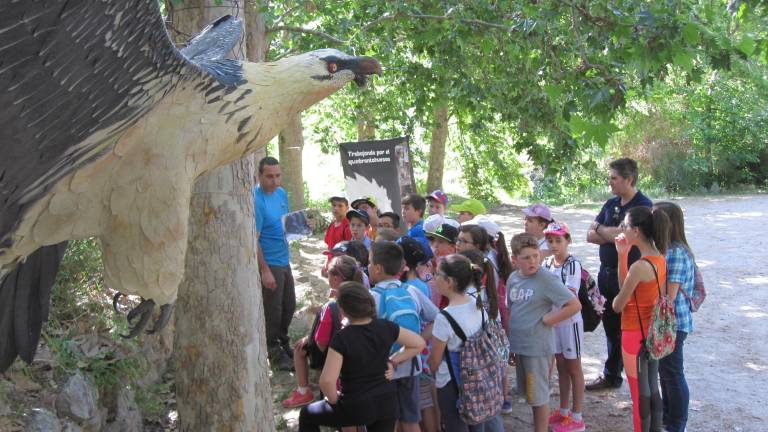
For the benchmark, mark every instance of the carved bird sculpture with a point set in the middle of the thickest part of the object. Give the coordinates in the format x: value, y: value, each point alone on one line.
x: 104, y: 127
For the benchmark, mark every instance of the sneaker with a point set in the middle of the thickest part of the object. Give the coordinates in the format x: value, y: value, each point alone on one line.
x: 506, y: 407
x: 556, y: 418
x: 570, y: 425
x: 601, y: 383
x: 297, y: 399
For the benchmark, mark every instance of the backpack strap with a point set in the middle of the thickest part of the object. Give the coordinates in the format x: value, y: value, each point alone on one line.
x: 567, y: 261
x: 454, y: 325
x: 637, y: 305
x: 382, y: 300
x: 460, y: 333
x: 335, y: 317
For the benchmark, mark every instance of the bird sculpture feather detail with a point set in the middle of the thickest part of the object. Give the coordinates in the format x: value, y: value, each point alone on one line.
x: 106, y: 126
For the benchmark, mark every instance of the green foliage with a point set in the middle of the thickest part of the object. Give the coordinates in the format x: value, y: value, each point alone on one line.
x: 81, y: 318
x: 549, y: 82
x: 695, y: 137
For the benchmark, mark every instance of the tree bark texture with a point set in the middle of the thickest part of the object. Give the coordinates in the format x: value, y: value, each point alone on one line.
x: 366, y: 125
x: 437, y: 146
x: 222, y: 381
x: 291, y: 145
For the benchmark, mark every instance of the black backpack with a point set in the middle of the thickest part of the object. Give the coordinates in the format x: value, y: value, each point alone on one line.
x: 315, y: 356
x: 592, y: 302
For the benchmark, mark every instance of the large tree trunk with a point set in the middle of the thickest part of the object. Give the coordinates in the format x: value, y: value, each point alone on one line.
x: 222, y: 381
x: 291, y: 145
x: 366, y: 125
x: 437, y: 147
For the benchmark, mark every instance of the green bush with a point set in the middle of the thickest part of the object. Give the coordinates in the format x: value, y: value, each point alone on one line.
x: 81, y: 307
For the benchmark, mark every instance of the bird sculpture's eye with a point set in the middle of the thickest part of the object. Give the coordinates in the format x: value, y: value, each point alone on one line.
x: 332, y: 67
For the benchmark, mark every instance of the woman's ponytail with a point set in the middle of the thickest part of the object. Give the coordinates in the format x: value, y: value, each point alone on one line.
x: 653, y: 224
x: 482, y: 266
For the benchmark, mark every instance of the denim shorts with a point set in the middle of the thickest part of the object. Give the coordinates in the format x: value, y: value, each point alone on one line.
x: 408, y: 399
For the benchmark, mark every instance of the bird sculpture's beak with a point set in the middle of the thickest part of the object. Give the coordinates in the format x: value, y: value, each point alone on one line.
x: 364, y: 66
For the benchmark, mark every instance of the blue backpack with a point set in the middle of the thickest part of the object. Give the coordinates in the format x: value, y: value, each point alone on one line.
x: 397, y: 305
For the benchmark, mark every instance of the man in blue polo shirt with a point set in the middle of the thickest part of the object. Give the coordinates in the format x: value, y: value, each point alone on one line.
x: 603, y: 231
x: 277, y: 287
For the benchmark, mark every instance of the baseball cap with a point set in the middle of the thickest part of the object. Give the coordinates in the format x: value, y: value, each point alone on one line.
x: 538, y: 210
x: 491, y: 227
x: 341, y: 196
x: 558, y: 229
x: 358, y: 214
x: 446, y: 232
x: 355, y: 249
x: 366, y: 199
x: 432, y: 222
x: 439, y: 196
x: 413, y: 251
x: 471, y: 206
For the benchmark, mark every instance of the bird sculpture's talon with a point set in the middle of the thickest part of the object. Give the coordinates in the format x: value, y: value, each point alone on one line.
x: 144, y: 312
x: 116, y: 301
x: 166, y: 311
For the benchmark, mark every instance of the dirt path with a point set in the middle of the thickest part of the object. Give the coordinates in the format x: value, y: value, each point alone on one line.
x: 726, y: 356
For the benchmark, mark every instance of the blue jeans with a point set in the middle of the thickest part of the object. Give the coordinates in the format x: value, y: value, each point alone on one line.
x: 674, y: 388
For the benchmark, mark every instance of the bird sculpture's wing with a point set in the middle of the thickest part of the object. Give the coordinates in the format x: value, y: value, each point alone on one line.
x: 74, y: 75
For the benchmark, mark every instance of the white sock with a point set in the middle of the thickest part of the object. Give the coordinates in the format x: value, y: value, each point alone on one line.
x: 564, y: 412
x: 302, y: 390
x: 576, y: 416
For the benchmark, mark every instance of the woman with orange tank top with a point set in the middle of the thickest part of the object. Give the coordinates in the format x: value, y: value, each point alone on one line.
x: 640, y: 286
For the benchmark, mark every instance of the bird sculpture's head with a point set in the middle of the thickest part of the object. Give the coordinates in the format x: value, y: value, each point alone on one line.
x: 307, y: 78
x: 278, y: 90
x: 334, y: 68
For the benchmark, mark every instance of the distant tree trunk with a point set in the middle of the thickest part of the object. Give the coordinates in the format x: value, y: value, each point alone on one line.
x: 256, y: 47
x: 437, y: 147
x: 222, y: 380
x: 366, y: 126
x: 291, y: 144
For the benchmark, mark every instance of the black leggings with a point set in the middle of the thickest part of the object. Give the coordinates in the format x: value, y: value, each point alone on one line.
x: 378, y: 414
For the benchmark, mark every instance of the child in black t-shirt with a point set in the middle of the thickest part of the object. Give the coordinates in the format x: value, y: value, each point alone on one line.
x: 359, y: 355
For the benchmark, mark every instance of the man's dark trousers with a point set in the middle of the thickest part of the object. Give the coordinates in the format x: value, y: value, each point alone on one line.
x: 279, y: 306
x: 608, y: 282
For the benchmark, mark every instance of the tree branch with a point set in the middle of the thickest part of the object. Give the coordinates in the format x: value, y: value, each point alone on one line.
x: 319, y: 33
x: 468, y: 21
x: 286, y: 13
x: 386, y: 17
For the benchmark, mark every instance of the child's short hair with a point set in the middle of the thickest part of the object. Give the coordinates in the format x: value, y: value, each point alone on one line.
x: 416, y: 201
x: 388, y: 255
x: 338, y: 199
x: 386, y: 235
x: 392, y: 215
x: 522, y: 241
x: 356, y: 301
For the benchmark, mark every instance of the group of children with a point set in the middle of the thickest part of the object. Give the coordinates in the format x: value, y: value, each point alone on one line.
x: 443, y: 279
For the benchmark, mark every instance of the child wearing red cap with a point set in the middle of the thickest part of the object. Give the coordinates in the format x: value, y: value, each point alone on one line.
x: 568, y: 333
x: 438, y: 201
